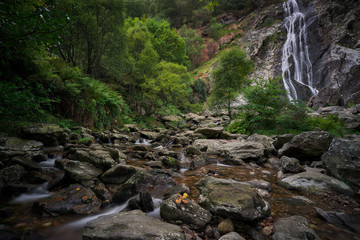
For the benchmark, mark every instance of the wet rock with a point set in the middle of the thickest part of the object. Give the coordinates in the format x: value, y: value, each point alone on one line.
x: 232, y: 236
x: 340, y: 219
x: 154, y: 164
x: 188, y: 213
x: 282, y: 139
x: 102, y: 192
x: 228, y: 136
x: 191, y: 150
x: 180, y: 188
x: 260, y: 184
x: 199, y: 161
x: 26, y: 163
x: 315, y: 183
x: 290, y: 165
x: 307, y: 146
x: 266, y: 141
x: 18, y: 144
x: 146, y: 202
x: 72, y: 200
x: 130, y: 225
x: 294, y: 227
x: 119, y: 174
x: 140, y: 148
x: 182, y: 140
x: 12, y: 174
x: 208, y: 132
x: 231, y: 198
x: 48, y: 134
x: 76, y: 171
x: 343, y: 160
x: 131, y: 127
x: 99, y: 158
x: 226, y: 226
x: 170, y: 162
x: 149, y: 135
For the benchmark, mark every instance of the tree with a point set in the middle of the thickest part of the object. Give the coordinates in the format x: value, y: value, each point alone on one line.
x: 96, y: 32
x: 229, y: 77
x: 168, y: 44
x: 170, y: 87
x: 194, y: 45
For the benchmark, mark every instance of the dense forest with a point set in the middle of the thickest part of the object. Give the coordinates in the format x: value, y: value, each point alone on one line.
x: 102, y: 63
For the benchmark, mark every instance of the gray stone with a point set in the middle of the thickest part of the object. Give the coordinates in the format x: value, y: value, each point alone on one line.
x: 290, y: 165
x: 340, y: 219
x: 213, y: 132
x: 266, y: 141
x: 26, y: 163
x: 343, y: 160
x: 315, y: 183
x: 72, y: 200
x: 199, y: 161
x: 260, y: 184
x: 307, y: 146
x: 18, y: 144
x: 231, y: 198
x: 282, y: 139
x: 293, y: 228
x: 99, y: 158
x: 78, y: 171
x: 232, y: 236
x: 130, y: 226
x: 226, y: 226
x: 119, y: 174
x: 188, y: 213
x: 48, y: 134
x: 191, y: 150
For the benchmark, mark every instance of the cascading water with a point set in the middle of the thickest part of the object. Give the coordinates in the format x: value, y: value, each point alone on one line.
x: 296, y: 65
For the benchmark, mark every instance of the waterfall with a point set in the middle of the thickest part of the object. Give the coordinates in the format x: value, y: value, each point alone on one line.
x: 296, y: 65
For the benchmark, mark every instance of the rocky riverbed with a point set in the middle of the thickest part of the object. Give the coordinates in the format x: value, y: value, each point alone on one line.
x: 192, y: 182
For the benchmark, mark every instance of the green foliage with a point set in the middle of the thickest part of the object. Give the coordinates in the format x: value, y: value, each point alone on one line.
x: 86, y: 141
x: 168, y: 44
x: 230, y: 77
x: 215, y: 30
x: 171, y: 86
x: 269, y: 112
x: 199, y: 90
x: 194, y: 45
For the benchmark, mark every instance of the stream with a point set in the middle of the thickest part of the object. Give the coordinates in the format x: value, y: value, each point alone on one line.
x: 283, y: 202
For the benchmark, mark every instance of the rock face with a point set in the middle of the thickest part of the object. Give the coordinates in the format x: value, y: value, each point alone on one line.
x: 130, y: 226
x: 343, y: 160
x: 232, y: 236
x: 295, y: 227
x: 316, y: 183
x: 48, y: 134
x: 338, y: 66
x: 189, y: 213
x: 231, y: 198
x: 73, y: 200
x: 307, y: 146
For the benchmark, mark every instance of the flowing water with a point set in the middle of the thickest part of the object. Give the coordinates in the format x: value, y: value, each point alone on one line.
x: 296, y: 65
x: 283, y: 202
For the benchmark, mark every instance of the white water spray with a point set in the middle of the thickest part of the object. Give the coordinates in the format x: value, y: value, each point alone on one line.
x: 295, y: 52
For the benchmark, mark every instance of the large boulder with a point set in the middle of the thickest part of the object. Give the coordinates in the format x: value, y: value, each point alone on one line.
x: 99, y: 158
x: 231, y: 198
x: 307, y: 146
x: 130, y: 226
x: 234, y: 150
x: 119, y: 174
x: 266, y: 141
x: 189, y: 213
x: 18, y: 144
x: 49, y: 134
x: 315, y: 182
x: 210, y: 132
x: 232, y: 236
x: 343, y: 160
x: 72, y: 200
x: 77, y: 171
x: 293, y: 228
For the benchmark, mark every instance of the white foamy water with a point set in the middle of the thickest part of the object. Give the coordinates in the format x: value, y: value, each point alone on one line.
x: 295, y: 52
x: 143, y: 141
